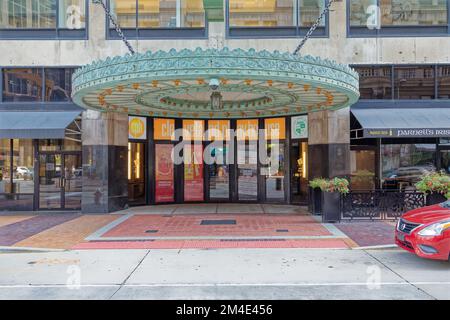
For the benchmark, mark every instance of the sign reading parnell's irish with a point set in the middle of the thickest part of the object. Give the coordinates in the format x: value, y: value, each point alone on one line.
x: 405, y: 133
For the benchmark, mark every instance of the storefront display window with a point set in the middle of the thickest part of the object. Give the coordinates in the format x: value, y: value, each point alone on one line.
x: 164, y: 173
x: 445, y: 161
x: 23, y: 166
x: 403, y: 164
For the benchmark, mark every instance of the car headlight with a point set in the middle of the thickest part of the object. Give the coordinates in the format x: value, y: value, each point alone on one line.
x: 435, y: 229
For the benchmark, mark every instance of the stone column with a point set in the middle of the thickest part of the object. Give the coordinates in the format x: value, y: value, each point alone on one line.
x: 329, y: 144
x: 105, y: 159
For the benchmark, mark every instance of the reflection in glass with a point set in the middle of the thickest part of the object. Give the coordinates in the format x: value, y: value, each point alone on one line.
x: 262, y: 13
x: 136, y: 178
x: 50, y: 181
x: 58, y: 84
x: 375, y: 82
x: 275, y: 172
x: 171, y: 14
x: 22, y: 84
x: 403, y: 164
x: 247, y: 155
x: 359, y: 12
x: 445, y: 161
x: 23, y: 166
x: 413, y: 13
x: 309, y: 11
x: 362, y: 165
x: 159, y: 13
x: 443, y: 78
x: 219, y: 175
x: 72, y: 14
x: 299, y: 172
x: 5, y: 166
x: 125, y: 12
x: 36, y: 14
x: 416, y: 82
x: 72, y: 183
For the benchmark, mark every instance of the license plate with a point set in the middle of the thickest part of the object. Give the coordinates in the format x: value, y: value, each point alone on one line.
x: 401, y: 236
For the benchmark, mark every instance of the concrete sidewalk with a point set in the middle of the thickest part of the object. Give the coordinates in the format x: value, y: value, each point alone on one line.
x: 223, y: 274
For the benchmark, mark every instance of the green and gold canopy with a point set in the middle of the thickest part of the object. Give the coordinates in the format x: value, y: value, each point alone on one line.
x: 251, y: 84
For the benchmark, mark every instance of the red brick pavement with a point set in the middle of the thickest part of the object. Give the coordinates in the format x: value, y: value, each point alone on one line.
x: 190, y: 225
x: 214, y: 244
x: 375, y: 233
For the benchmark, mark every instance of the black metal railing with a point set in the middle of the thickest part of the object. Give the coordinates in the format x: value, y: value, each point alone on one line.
x: 380, y: 204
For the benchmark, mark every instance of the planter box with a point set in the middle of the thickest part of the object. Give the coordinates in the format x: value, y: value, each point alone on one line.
x: 435, y: 198
x: 331, y: 207
x: 315, y: 201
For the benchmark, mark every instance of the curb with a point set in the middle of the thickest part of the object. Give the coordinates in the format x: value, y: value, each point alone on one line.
x: 386, y: 246
x: 28, y: 249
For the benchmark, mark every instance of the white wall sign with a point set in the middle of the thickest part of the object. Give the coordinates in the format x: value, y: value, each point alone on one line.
x: 299, y: 127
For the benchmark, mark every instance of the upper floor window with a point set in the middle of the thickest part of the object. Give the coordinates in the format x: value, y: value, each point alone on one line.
x: 36, y: 84
x: 268, y: 18
x: 43, y: 19
x: 159, y: 18
x: 398, y: 17
x: 404, y: 82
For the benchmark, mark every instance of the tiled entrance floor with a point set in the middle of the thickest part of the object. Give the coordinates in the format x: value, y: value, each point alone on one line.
x: 205, y: 226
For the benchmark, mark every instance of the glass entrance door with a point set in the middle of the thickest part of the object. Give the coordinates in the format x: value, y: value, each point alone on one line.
x: 60, y: 181
x: 247, y: 155
x: 219, y: 175
x: 299, y: 172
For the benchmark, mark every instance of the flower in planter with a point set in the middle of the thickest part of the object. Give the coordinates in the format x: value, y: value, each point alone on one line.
x: 318, y: 183
x: 331, y: 185
x: 434, y: 183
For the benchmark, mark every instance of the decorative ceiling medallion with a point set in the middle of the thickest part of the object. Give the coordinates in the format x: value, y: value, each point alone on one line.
x: 181, y: 83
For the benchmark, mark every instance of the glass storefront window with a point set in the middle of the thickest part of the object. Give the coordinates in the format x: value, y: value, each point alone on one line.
x: 445, y: 161
x: 125, y: 11
x: 22, y: 84
x: 59, y: 145
x: 403, y: 164
x: 416, y: 82
x: 362, y: 165
x: 136, y: 173
x: 375, y: 82
x: 72, y: 14
x: 58, y: 84
x: 159, y: 13
x: 36, y: 14
x: 359, y: 12
x: 443, y: 78
x: 23, y: 166
x: 262, y: 13
x: 309, y: 11
x: 219, y: 174
x: 5, y: 165
x: 413, y: 13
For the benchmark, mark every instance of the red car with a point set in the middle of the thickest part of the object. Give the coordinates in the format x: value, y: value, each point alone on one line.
x: 426, y: 231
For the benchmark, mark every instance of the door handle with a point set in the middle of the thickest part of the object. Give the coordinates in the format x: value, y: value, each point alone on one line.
x: 63, y: 182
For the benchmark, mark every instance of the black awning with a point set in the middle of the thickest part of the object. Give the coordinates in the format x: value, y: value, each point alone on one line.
x: 426, y: 122
x: 35, y: 125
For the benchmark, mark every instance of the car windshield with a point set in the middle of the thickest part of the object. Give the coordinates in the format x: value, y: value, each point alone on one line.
x: 446, y: 204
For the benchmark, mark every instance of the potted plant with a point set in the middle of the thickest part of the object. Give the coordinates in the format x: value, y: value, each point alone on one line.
x: 315, y: 195
x: 331, y: 199
x: 436, y: 187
